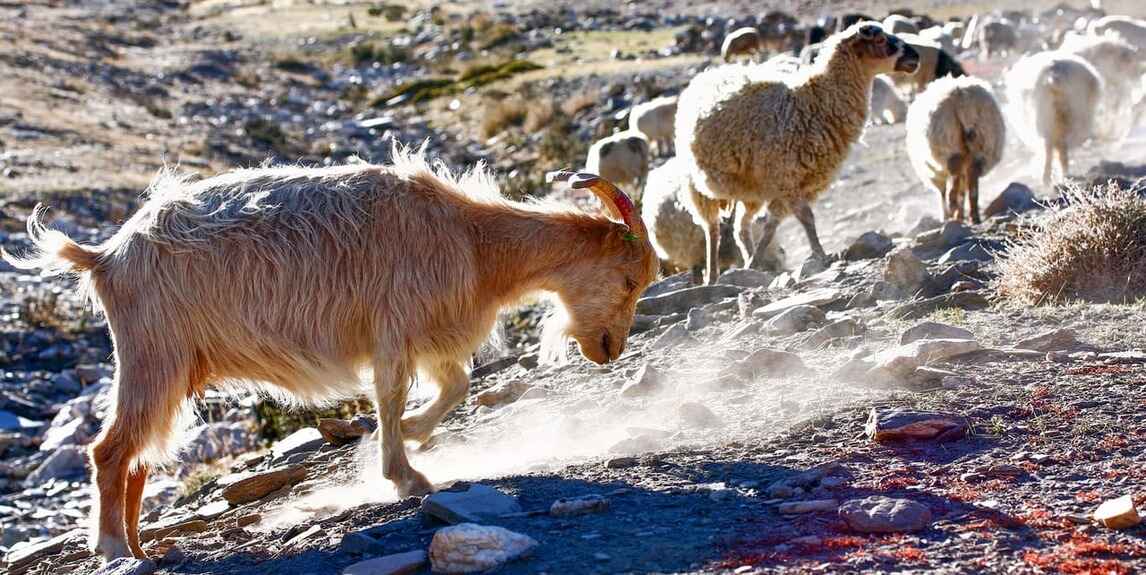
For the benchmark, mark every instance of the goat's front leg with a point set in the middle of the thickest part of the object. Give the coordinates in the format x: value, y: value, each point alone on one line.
x: 390, y: 384
x: 453, y: 386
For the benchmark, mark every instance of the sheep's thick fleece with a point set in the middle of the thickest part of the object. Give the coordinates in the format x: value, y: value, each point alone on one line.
x: 954, y: 116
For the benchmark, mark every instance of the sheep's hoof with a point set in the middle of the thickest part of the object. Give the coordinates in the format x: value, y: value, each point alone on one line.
x: 111, y: 548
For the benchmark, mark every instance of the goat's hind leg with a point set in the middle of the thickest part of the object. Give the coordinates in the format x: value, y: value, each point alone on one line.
x: 390, y: 384
x: 148, y: 398
x: 453, y: 386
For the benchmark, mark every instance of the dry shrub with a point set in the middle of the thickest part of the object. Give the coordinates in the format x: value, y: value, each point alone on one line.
x: 1093, y: 249
x: 540, y: 115
x: 581, y: 101
x: 501, y: 114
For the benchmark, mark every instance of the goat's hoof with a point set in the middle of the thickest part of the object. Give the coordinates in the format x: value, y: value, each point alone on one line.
x: 415, y: 485
x: 112, y: 548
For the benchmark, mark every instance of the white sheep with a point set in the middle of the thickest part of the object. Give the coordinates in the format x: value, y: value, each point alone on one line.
x: 887, y: 104
x: 673, y: 231
x: 955, y: 135
x: 302, y: 280
x: 752, y: 135
x: 939, y: 35
x: 655, y: 120
x: 1129, y: 29
x: 997, y: 37
x: 1053, y: 98
x: 899, y: 24
x: 741, y: 42
x: 1121, y: 67
x: 622, y: 158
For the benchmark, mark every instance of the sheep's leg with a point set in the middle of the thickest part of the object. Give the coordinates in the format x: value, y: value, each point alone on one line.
x: 955, y: 197
x: 453, y: 386
x: 759, y: 259
x: 708, y: 216
x: 804, y: 215
x: 136, y: 481
x: 1063, y: 160
x: 742, y: 227
x: 390, y: 381
x: 940, y: 185
x: 1047, y: 163
x: 972, y: 184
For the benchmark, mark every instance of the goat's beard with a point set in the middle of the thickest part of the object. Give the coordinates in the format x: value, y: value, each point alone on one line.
x: 555, y: 336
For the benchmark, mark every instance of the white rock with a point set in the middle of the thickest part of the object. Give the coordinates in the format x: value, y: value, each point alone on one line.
x: 472, y: 548
x: 900, y: 362
x: 396, y: 564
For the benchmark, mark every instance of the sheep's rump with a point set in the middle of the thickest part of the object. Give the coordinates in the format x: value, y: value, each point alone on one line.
x: 1053, y: 96
x: 295, y: 277
x: 954, y: 116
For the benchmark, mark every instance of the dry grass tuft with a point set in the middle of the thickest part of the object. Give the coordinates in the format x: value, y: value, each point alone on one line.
x: 1093, y: 249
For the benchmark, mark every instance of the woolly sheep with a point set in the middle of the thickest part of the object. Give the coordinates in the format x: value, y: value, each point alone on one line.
x: 741, y: 42
x: 939, y: 35
x: 955, y: 135
x: 675, y: 235
x: 752, y: 135
x: 898, y: 24
x: 887, y: 104
x: 655, y: 120
x: 1053, y: 98
x: 1121, y: 67
x: 622, y: 158
x: 997, y: 37
x: 1129, y: 29
x: 302, y: 278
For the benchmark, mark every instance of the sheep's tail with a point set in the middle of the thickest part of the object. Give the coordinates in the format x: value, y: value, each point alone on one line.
x: 55, y: 252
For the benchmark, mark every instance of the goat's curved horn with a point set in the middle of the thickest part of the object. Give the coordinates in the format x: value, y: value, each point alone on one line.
x: 616, y: 202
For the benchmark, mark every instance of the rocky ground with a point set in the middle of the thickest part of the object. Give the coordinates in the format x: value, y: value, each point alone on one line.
x: 752, y: 427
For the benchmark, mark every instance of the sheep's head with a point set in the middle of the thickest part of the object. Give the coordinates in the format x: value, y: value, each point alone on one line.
x: 882, y: 53
x: 600, y: 293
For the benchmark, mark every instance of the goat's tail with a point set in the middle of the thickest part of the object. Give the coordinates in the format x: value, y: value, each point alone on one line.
x: 55, y: 252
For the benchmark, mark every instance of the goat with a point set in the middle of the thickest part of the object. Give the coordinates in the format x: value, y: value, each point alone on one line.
x: 298, y: 278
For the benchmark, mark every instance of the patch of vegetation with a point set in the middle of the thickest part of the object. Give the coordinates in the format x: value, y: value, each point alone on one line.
x: 201, y: 477
x: 384, y: 53
x: 581, y: 101
x: 560, y: 144
x: 293, y: 65
x: 415, y: 91
x: 391, y: 12
x: 1094, y: 249
x: 276, y: 422
x: 270, y: 136
x: 501, y: 114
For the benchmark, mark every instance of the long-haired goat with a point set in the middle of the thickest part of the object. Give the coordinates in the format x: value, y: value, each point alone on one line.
x: 299, y: 279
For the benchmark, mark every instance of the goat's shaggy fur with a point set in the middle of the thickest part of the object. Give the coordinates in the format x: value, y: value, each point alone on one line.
x: 751, y: 135
x: 1093, y: 249
x: 1053, y: 98
x: 997, y: 37
x: 955, y: 135
x: 655, y: 119
x: 621, y: 158
x: 302, y: 279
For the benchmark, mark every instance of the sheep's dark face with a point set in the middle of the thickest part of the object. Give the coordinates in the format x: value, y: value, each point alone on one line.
x: 883, y: 52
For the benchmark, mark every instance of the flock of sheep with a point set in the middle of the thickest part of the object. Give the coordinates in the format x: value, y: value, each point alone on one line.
x: 767, y: 138
x: 300, y: 279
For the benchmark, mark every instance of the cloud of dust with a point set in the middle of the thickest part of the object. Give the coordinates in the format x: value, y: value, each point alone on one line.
x: 584, y: 418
